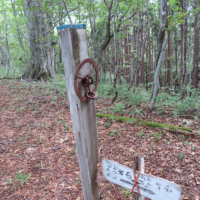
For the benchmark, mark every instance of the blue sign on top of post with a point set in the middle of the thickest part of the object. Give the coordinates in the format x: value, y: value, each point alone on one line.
x: 72, y: 26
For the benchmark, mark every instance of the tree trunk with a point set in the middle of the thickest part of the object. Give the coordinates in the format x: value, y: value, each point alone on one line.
x: 140, y: 55
x: 150, y: 78
x: 183, y: 49
x: 176, y: 53
x: 7, y: 46
x: 169, y: 60
x: 162, y: 38
x: 115, y: 50
x: 20, y: 39
x: 196, y: 49
x: 142, y: 60
x: 40, y: 66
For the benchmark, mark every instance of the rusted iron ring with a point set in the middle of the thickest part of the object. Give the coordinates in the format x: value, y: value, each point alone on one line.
x: 86, y: 81
x: 91, y: 95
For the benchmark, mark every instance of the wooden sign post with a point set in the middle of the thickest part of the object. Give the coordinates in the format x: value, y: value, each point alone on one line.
x: 73, y: 43
x: 149, y: 186
x: 138, y: 166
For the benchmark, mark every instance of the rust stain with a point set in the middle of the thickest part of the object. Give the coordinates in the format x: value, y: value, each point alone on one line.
x: 79, y: 135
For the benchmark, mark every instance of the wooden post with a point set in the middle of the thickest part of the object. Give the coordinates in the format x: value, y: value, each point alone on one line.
x: 138, y: 164
x: 73, y: 43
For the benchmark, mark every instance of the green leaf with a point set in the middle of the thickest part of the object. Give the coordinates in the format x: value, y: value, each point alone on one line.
x: 141, y: 134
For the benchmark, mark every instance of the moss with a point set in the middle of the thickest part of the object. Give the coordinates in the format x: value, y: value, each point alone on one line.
x: 117, y: 118
x: 147, y: 123
x: 154, y: 124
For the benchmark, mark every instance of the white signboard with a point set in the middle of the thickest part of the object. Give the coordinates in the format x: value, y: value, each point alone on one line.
x: 150, y: 186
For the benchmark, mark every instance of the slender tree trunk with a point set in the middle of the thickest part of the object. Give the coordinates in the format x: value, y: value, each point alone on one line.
x: 165, y: 69
x: 135, y: 75
x: 133, y: 54
x: 176, y: 53
x: 115, y: 49
x: 183, y: 48
x: 67, y: 11
x: 140, y: 51
x: 162, y: 38
x: 7, y: 46
x: 169, y: 58
x: 196, y: 48
x: 150, y: 79
x: 110, y: 66
x: 129, y: 57
x: 142, y: 61
x: 20, y: 39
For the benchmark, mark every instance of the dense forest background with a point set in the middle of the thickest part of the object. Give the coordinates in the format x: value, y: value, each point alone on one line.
x: 156, y: 45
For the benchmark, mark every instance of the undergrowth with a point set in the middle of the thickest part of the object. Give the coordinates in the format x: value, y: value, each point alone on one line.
x: 105, y: 89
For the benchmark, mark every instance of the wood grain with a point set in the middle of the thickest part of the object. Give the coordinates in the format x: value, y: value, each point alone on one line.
x: 74, y: 50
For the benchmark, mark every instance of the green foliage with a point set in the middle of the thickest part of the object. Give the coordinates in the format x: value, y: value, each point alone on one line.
x: 141, y: 134
x: 21, y: 140
x: 187, y: 143
x: 61, y: 122
x: 136, y: 98
x: 181, y: 156
x: 194, y: 148
x: 105, y: 89
x: 108, y: 192
x: 136, y: 111
x: 157, y: 136
x: 74, y: 148
x: 67, y: 127
x: 22, y: 108
x: 113, y: 133
x: 41, y: 139
x: 119, y: 108
x: 22, y: 177
x: 126, y: 192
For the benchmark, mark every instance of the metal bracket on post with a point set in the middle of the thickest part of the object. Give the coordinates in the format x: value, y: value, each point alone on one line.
x: 87, y: 80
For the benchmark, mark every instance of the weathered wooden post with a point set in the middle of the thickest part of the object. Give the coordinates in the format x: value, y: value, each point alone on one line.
x: 73, y: 43
x: 138, y: 165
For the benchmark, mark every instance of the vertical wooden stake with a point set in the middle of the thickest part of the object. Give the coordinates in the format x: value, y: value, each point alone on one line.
x: 73, y: 43
x: 138, y: 164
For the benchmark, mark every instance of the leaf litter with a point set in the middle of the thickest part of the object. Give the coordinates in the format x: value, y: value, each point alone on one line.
x: 36, y: 138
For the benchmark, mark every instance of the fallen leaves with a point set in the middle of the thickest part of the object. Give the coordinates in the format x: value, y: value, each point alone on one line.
x: 61, y: 175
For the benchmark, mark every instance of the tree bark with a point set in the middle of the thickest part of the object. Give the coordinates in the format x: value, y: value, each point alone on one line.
x: 20, y: 39
x: 150, y: 77
x: 196, y: 49
x: 7, y: 46
x: 140, y: 55
x: 169, y: 60
x: 183, y: 48
x: 162, y: 38
x: 142, y: 60
x: 40, y: 65
x: 115, y: 50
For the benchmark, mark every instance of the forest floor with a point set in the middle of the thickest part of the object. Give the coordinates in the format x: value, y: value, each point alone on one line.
x: 37, y: 144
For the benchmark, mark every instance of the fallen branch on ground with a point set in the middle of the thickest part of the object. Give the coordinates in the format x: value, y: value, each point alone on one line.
x: 167, y: 127
x: 8, y: 78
